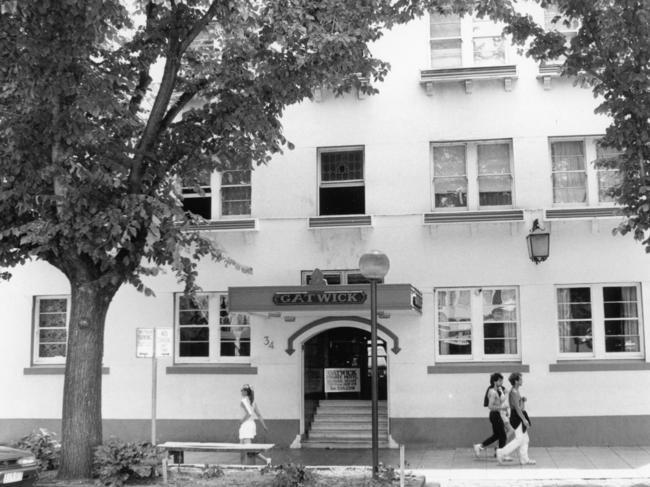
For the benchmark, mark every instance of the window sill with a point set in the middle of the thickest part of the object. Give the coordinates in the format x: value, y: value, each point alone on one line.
x: 474, y: 216
x: 249, y: 224
x: 52, y: 370
x: 477, y: 368
x: 506, y: 72
x: 336, y: 221
x: 598, y: 365
x: 212, y: 369
x: 586, y: 213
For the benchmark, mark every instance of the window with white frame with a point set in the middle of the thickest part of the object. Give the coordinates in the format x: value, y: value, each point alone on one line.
x: 341, y: 184
x: 197, y: 199
x: 575, y: 177
x: 207, y: 332
x: 599, y: 321
x: 474, y: 324
x: 51, y: 319
x: 463, y: 42
x: 475, y: 174
x: 567, y: 27
x: 236, y: 192
x: 607, y: 177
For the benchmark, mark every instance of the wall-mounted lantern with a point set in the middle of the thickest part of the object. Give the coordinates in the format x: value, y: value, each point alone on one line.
x: 539, y: 241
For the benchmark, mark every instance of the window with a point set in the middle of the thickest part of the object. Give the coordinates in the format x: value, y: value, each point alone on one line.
x: 554, y: 21
x: 207, y: 332
x: 198, y: 199
x: 51, y: 329
x: 608, y: 177
x: 576, y: 180
x: 462, y: 42
x: 336, y: 277
x: 342, y: 188
x: 236, y: 192
x: 599, y: 321
x: 472, y: 174
x: 474, y: 324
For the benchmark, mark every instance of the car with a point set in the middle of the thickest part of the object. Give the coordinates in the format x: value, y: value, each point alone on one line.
x: 18, y: 468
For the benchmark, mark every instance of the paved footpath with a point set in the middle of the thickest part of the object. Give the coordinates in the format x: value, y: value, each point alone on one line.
x: 556, y: 466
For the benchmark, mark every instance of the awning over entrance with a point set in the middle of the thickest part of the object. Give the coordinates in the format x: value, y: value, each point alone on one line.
x: 345, y: 297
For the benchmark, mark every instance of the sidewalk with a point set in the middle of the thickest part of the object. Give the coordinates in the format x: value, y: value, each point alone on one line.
x: 556, y: 466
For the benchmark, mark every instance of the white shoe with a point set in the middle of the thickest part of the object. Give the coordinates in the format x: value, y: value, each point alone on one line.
x: 529, y: 462
x: 477, y: 450
x: 500, y: 458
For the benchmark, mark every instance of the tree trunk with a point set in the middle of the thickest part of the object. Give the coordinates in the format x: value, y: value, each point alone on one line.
x: 82, y: 390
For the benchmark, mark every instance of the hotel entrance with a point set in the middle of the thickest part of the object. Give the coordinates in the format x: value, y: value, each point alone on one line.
x: 338, y: 365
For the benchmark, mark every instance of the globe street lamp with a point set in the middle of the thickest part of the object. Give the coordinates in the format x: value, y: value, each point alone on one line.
x: 374, y: 266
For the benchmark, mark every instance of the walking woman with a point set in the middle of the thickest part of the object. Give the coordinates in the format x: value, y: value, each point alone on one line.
x: 248, y: 429
x: 520, y: 422
x: 496, y: 401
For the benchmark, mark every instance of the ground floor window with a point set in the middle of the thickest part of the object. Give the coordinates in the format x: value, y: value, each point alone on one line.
x: 599, y: 320
x: 474, y: 324
x: 206, y: 331
x: 51, y: 318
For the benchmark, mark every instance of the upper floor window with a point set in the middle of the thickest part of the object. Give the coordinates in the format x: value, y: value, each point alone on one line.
x: 197, y: 199
x: 207, y: 332
x: 462, y: 42
x: 341, y: 185
x: 472, y: 174
x: 236, y: 192
x: 347, y: 276
x: 474, y: 324
x: 553, y: 20
x: 51, y: 315
x: 599, y: 321
x: 575, y: 178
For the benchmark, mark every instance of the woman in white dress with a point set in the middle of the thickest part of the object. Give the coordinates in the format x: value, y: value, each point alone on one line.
x: 248, y: 429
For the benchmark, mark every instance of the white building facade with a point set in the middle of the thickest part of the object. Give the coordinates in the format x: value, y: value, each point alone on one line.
x: 445, y: 171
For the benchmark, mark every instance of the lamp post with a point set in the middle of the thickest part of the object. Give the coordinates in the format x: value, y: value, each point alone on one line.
x: 374, y: 266
x: 538, y: 241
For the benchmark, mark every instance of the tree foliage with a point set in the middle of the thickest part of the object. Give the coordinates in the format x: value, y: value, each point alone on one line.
x: 611, y: 54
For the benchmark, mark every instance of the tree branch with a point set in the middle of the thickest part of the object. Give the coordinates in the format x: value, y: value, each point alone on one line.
x: 181, y: 103
x: 144, y: 79
x: 199, y: 26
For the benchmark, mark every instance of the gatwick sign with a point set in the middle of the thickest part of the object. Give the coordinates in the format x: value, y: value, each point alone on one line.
x: 319, y: 297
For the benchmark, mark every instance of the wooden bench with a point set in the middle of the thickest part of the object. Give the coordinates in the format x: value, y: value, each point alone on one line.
x: 178, y: 447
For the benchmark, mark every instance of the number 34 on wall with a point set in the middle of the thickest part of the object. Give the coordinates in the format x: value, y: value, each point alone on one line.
x: 268, y: 342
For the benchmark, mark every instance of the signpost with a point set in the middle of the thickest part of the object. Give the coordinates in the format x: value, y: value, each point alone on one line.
x: 153, y: 343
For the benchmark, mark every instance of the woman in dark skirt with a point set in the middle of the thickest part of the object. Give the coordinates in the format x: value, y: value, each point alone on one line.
x: 496, y: 401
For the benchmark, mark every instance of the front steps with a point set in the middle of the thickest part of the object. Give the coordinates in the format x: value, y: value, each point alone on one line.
x: 342, y: 423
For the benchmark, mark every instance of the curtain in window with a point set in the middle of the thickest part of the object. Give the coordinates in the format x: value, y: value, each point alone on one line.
x: 621, y: 319
x: 450, y: 179
x: 445, y: 43
x: 494, y: 178
x: 500, y: 321
x: 569, y: 176
x: 574, y: 320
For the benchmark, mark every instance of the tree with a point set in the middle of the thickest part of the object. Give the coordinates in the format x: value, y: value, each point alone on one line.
x: 93, y: 145
x: 611, y: 54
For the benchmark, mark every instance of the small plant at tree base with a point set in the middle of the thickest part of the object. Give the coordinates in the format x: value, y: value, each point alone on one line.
x: 211, y: 471
x: 44, y: 446
x: 116, y: 462
x: 292, y: 475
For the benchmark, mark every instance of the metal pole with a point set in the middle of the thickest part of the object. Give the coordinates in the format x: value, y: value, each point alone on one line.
x: 154, y: 388
x: 374, y: 382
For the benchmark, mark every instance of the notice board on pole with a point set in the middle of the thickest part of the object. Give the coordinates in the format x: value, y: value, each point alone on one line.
x: 144, y: 342
x: 342, y: 380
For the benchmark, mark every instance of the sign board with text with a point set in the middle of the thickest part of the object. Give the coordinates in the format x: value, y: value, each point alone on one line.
x: 144, y: 338
x: 342, y: 380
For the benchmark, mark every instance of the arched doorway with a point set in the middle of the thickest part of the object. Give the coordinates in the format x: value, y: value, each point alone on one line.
x: 338, y: 389
x: 342, y: 348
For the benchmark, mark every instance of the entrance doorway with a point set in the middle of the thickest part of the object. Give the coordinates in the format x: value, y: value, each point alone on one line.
x: 343, y: 348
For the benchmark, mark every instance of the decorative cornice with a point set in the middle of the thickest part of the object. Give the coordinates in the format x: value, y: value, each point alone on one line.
x: 473, y: 73
x: 582, y: 213
x: 340, y: 221
x: 474, y: 216
x: 247, y: 224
